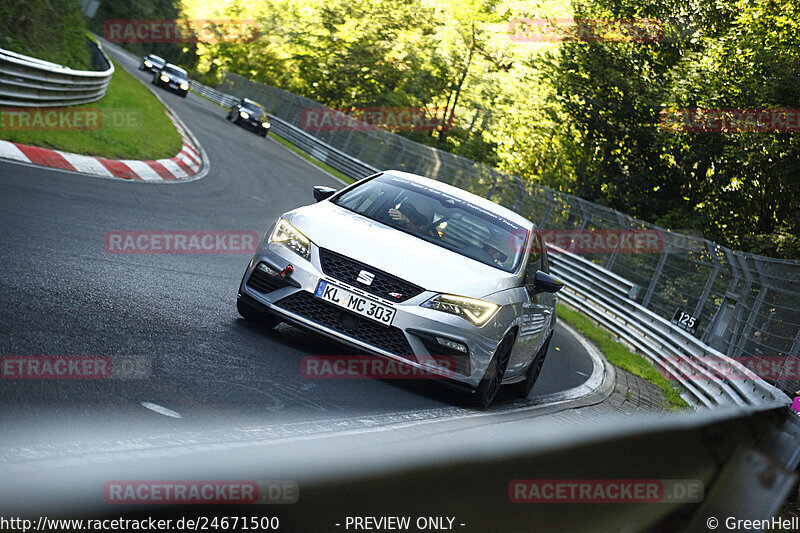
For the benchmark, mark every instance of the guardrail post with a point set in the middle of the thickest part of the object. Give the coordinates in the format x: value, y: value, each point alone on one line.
x: 522, y: 194
x: 550, y: 206
x: 654, y: 281
x: 494, y: 183
x: 744, y: 330
x: 347, y: 141
x: 701, y: 303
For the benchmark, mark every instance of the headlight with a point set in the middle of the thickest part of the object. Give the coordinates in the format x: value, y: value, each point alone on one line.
x: 244, y: 115
x: 185, y: 86
x: 148, y: 64
x: 287, y: 235
x: 164, y: 78
x: 265, y: 124
x: 476, y: 311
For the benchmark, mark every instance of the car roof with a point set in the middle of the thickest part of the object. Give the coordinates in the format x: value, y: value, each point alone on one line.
x: 176, y: 67
x: 248, y: 101
x: 466, y: 195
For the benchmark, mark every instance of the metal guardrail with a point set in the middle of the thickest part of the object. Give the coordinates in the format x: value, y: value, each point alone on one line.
x: 708, y: 377
x: 30, y: 82
x: 742, y: 461
x: 223, y: 99
x: 703, y: 372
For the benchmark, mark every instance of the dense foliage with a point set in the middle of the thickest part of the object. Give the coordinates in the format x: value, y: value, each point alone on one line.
x: 53, y: 30
x: 155, y: 10
x: 738, y: 188
x: 581, y: 116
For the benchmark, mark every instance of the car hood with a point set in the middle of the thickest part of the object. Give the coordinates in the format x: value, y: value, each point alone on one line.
x: 422, y: 263
x: 258, y: 118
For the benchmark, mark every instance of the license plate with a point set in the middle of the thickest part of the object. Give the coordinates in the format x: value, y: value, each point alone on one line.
x: 355, y: 303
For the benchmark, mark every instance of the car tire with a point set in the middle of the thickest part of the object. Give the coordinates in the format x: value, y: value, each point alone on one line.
x: 490, y: 385
x: 524, y: 388
x: 256, y: 316
x: 263, y: 134
x: 183, y: 95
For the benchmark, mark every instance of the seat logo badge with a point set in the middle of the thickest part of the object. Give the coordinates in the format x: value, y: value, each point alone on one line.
x: 395, y: 295
x: 365, y: 278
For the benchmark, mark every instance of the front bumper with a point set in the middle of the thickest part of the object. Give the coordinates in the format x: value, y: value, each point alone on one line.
x: 172, y: 86
x: 410, y: 340
x: 253, y: 125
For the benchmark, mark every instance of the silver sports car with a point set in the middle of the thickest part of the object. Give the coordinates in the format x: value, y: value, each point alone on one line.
x: 414, y: 270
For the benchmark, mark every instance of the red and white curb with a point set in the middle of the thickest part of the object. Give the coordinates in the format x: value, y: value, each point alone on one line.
x: 183, y: 166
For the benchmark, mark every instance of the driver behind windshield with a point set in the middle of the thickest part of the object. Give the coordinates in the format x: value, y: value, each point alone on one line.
x: 408, y: 215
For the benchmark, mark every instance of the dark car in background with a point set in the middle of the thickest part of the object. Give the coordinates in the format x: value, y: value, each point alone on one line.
x: 172, y: 78
x: 251, y: 115
x: 152, y: 63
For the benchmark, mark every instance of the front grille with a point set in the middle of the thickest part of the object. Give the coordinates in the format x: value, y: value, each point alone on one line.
x: 265, y: 283
x: 346, y: 269
x: 390, y: 339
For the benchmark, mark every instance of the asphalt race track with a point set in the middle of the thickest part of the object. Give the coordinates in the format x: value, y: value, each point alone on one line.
x: 61, y: 293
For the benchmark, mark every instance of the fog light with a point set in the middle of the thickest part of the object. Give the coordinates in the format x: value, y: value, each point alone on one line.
x: 453, y: 345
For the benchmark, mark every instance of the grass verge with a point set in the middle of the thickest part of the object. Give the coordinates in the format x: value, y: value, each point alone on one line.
x: 129, y: 122
x: 620, y: 356
x: 296, y: 150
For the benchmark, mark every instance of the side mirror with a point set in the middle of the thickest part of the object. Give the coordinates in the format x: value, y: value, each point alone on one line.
x: 322, y: 193
x: 545, y: 283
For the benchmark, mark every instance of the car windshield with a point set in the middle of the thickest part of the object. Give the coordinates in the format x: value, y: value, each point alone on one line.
x: 175, y: 71
x: 439, y: 218
x: 254, y: 109
x: 155, y: 60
